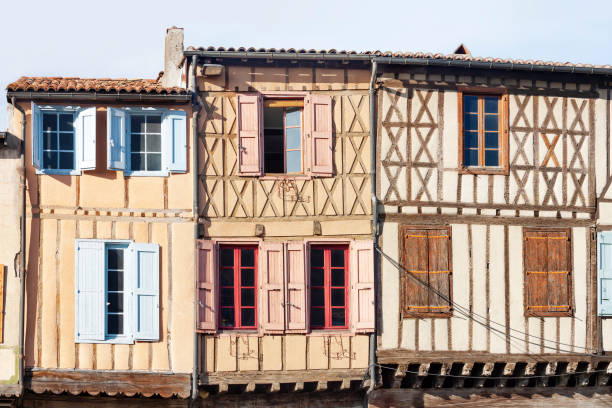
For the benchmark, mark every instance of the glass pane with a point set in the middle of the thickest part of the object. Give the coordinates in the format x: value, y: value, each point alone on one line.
x: 294, y: 138
x: 115, y: 280
x: 247, y: 297
x: 227, y: 297
x: 338, y: 317
x: 491, y: 122
x: 227, y: 277
x: 470, y: 103
x: 114, y: 324
x: 137, y: 124
x: 65, y: 122
x: 115, y: 303
x: 337, y: 258
x: 248, y: 317
x: 137, y: 162
x: 154, y: 124
x: 294, y: 161
x: 337, y: 277
x: 115, y: 259
x: 49, y: 122
x: 227, y: 317
x: 337, y: 297
x: 66, y: 141
x: 227, y: 257
x: 470, y: 157
x: 491, y: 140
x: 49, y: 141
x: 491, y: 104
x: 470, y: 121
x: 317, y: 277
x: 317, y: 317
x: 491, y: 158
x: 137, y: 143
x: 316, y: 257
x: 247, y: 257
x: 247, y: 277
x: 293, y: 117
x: 470, y: 139
x: 50, y: 160
x: 66, y: 161
x: 273, y: 118
x: 154, y: 143
x: 154, y: 162
x: 317, y: 297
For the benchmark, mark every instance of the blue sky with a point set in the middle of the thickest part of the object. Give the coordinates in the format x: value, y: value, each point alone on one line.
x: 124, y: 39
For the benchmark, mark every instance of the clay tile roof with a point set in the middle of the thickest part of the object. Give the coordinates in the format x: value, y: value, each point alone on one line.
x: 103, y: 85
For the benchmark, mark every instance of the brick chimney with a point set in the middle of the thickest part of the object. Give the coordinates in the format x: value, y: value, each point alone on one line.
x: 173, y: 57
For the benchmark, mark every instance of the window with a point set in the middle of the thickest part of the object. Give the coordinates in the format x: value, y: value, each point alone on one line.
x: 237, y: 278
x: 329, y: 287
x: 58, y: 141
x: 483, y: 131
x: 426, y: 257
x: 145, y: 143
x: 604, y: 274
x: 283, y: 136
x: 117, y: 291
x: 547, y: 262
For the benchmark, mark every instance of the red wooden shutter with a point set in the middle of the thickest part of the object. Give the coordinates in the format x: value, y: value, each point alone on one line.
x: 296, y: 279
x: 558, y: 272
x: 249, y: 135
x: 272, y: 288
x: 207, y: 285
x: 439, y: 270
x: 320, y: 125
x: 415, y: 262
x: 362, y: 286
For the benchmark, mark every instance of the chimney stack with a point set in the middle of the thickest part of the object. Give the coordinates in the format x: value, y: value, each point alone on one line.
x: 173, y: 57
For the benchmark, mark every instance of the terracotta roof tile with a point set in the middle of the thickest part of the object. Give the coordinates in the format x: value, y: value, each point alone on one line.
x: 105, y: 85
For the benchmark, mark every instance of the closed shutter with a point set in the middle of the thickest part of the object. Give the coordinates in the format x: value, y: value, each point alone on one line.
x: 36, y: 132
x: 116, y: 129
x: 296, y: 277
x: 440, y: 269
x: 145, y: 272
x: 90, y: 290
x: 85, y: 129
x: 272, y: 286
x: 206, y: 287
x: 250, y: 141
x: 174, y: 134
x: 362, y: 286
x: 319, y: 121
x: 604, y: 274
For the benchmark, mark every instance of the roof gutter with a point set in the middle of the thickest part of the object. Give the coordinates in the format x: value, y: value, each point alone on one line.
x: 95, y: 96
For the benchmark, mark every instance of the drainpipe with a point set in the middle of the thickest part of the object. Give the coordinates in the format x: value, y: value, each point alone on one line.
x: 374, y: 213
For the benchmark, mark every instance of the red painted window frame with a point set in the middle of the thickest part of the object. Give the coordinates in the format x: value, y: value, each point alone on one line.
x: 237, y: 287
x: 327, y: 248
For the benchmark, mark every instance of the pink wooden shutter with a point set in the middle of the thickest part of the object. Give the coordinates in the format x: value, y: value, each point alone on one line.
x: 320, y: 125
x: 272, y: 286
x: 296, y: 284
x: 207, y: 285
x: 362, y: 286
x: 249, y: 135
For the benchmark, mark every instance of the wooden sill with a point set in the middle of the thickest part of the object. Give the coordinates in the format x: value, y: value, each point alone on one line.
x: 484, y: 171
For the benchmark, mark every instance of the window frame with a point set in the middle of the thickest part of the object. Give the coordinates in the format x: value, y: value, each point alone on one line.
x: 327, y: 287
x: 503, y: 168
x: 146, y: 111
x: 128, y: 335
x: 58, y: 109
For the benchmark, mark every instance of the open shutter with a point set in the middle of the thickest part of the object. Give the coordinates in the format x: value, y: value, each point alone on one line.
x: 362, y: 286
x: 89, y: 298
x: 85, y: 127
x: 536, y: 255
x: 36, y: 136
x: 174, y: 134
x: 415, y: 259
x: 206, y: 287
x: 439, y: 270
x: 116, y: 129
x: 145, y: 272
x: 296, y: 278
x: 320, y: 125
x: 558, y: 271
x: 604, y: 274
x: 272, y: 281
x: 250, y: 135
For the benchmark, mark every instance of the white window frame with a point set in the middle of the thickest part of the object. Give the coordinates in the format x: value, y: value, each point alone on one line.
x: 128, y: 142
x: 58, y: 110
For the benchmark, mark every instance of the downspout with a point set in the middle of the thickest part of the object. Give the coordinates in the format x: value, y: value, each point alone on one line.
x: 374, y: 215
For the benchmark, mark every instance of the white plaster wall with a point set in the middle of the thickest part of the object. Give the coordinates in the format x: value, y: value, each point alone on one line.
x: 390, y: 287
x: 497, y: 287
x: 461, y: 286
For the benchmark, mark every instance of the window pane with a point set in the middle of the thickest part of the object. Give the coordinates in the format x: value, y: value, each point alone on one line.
x: 294, y: 138
x: 115, y: 303
x: 317, y: 317
x: 137, y: 143
x: 137, y: 124
x: 65, y: 122
x: 293, y: 117
x: 470, y: 103
x: 247, y: 277
x: 66, y: 161
x: 115, y: 259
x: 470, y: 121
x: 491, y: 140
x: 227, y: 317
x: 337, y: 277
x: 248, y: 317
x: 50, y: 160
x: 247, y: 257
x: 294, y: 161
x: 317, y: 277
x: 114, y: 324
x: 317, y: 297
x: 247, y: 297
x: 49, y: 122
x: 491, y: 122
x: 273, y: 118
x: 274, y: 151
x: 66, y: 141
x: 337, y: 258
x: 491, y: 104
x: 337, y: 297
x: 316, y: 257
x: 154, y: 162
x: 227, y: 257
x: 154, y: 143
x: 338, y: 317
x: 154, y: 124
x: 50, y: 141
x: 491, y: 158
x: 470, y: 139
x: 227, y: 277
x: 227, y: 297
x: 470, y: 157
x: 137, y: 162
x: 115, y: 280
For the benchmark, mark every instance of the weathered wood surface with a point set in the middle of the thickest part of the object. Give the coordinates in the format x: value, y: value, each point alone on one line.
x: 32, y: 400
x: 293, y: 376
x: 339, y: 399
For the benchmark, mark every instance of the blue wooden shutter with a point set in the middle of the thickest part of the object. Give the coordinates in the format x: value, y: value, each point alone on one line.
x: 174, y: 134
x: 604, y: 274
x: 85, y: 127
x: 145, y: 272
x: 90, y: 290
x: 36, y: 136
x: 116, y: 129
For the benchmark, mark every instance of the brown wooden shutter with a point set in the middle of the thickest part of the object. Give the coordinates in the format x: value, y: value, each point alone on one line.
x: 558, y: 271
x: 439, y: 270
